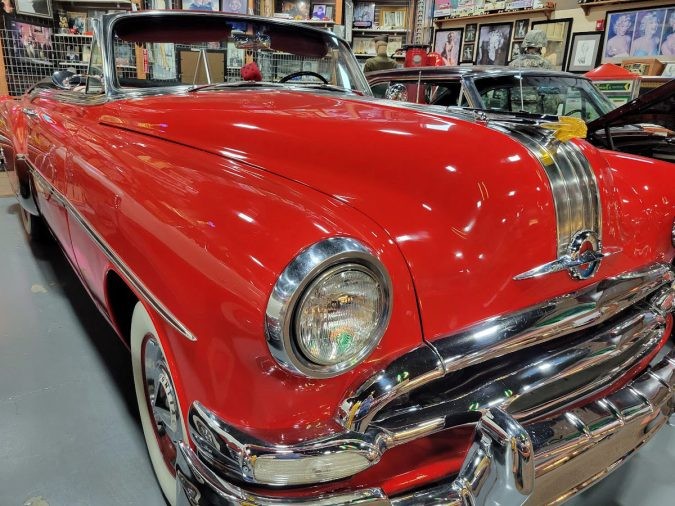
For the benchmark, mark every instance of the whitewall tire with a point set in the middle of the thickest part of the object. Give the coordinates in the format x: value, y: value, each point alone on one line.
x: 157, y: 400
x: 32, y: 225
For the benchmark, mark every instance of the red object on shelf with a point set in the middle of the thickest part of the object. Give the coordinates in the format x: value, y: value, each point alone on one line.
x: 416, y: 55
x: 609, y: 72
x: 599, y: 25
x: 434, y: 60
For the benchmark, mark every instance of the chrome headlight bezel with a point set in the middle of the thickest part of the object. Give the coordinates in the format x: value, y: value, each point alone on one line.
x: 308, y: 266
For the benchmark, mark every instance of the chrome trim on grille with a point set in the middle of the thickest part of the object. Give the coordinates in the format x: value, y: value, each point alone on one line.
x: 509, y: 463
x: 583, y: 363
x: 501, y: 335
x: 114, y: 258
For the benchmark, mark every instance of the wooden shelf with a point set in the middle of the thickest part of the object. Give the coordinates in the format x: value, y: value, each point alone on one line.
x: 588, y: 6
x: 378, y: 30
x: 547, y: 12
x: 72, y: 35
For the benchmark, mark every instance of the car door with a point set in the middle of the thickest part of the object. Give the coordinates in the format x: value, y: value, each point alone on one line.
x: 48, y: 123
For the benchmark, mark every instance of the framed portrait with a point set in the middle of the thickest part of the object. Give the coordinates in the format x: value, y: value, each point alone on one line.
x: 234, y: 6
x: 585, y: 51
x: 322, y: 12
x: 200, y: 5
x: 31, y: 43
x: 447, y: 43
x: 39, y: 8
x: 77, y: 21
x: 643, y: 33
x: 364, y: 15
x: 393, y: 18
x: 494, y: 41
x: 470, y: 32
x: 468, y: 53
x: 515, y: 49
x: 557, y: 40
x: 520, y: 28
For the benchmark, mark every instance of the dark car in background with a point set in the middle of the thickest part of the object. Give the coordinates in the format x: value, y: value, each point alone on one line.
x: 644, y: 126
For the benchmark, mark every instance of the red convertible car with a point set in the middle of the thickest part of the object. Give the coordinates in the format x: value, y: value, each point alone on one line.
x: 445, y: 308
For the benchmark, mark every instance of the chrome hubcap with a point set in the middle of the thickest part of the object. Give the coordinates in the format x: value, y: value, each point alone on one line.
x: 162, y: 402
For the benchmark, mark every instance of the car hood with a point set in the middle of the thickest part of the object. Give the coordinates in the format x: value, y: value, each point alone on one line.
x: 468, y: 207
x: 656, y: 106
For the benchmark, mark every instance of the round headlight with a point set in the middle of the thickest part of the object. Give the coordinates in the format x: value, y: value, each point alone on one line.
x: 328, y: 309
x: 339, y: 315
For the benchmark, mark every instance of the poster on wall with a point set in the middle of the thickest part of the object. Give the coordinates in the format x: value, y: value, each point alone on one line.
x: 30, y: 43
x: 447, y: 43
x: 648, y: 32
x: 40, y: 8
x: 494, y: 43
x: 557, y: 34
x: 364, y: 15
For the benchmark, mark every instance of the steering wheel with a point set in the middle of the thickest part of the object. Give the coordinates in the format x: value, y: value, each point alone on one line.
x: 581, y: 113
x: 303, y: 73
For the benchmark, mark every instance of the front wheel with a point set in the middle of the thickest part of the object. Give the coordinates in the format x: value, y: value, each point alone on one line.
x: 157, y: 400
x: 32, y: 225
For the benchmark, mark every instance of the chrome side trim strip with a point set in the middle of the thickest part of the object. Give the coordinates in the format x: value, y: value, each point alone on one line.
x: 501, y: 335
x: 114, y: 258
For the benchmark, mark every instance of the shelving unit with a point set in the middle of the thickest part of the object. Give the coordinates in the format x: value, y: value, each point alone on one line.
x: 589, y: 5
x: 546, y: 12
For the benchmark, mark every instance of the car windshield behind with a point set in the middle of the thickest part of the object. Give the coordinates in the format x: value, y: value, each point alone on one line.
x: 555, y: 95
x: 178, y: 48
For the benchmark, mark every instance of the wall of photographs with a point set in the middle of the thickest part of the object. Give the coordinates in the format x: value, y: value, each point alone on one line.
x: 579, y: 38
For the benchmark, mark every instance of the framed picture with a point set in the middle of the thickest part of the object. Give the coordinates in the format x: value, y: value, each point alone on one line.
x: 520, y: 28
x: 77, y: 21
x: 468, y: 53
x: 234, y: 6
x: 39, y: 8
x: 585, y: 51
x: 644, y: 33
x: 447, y: 43
x: 364, y: 15
x: 515, y: 49
x: 393, y: 18
x: 643, y: 66
x: 557, y: 35
x: 200, y: 5
x: 30, y: 43
x: 470, y: 32
x: 668, y: 70
x: 363, y: 45
x: 320, y: 12
x: 159, y: 5
x: 493, y: 43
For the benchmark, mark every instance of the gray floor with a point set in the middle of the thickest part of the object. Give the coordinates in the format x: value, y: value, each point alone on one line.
x: 69, y: 432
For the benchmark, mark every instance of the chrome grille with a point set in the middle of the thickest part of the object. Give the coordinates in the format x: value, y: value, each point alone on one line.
x: 609, y: 326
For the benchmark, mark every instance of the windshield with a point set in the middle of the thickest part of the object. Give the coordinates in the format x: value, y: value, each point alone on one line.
x: 177, y: 49
x: 555, y: 95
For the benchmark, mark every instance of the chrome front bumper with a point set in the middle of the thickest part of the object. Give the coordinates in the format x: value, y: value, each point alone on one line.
x: 541, y: 462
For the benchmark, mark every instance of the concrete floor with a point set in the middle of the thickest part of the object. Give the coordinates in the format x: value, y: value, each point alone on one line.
x: 69, y: 429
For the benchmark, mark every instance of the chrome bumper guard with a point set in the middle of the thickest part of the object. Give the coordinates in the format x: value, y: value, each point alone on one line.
x: 541, y: 462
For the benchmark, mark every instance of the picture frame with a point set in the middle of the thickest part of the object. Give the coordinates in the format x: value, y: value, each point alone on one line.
x: 234, y: 6
x: 515, y: 49
x: 494, y: 42
x: 468, y: 53
x: 159, y: 5
x: 447, y: 43
x: 643, y: 66
x: 363, y: 46
x: 320, y: 12
x: 470, y: 32
x: 585, y: 51
x: 642, y: 33
x: 393, y: 18
x: 77, y: 22
x: 364, y: 15
x: 558, y: 36
x: 520, y: 28
x: 38, y: 8
x: 668, y: 70
x: 200, y: 5
x: 29, y: 43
